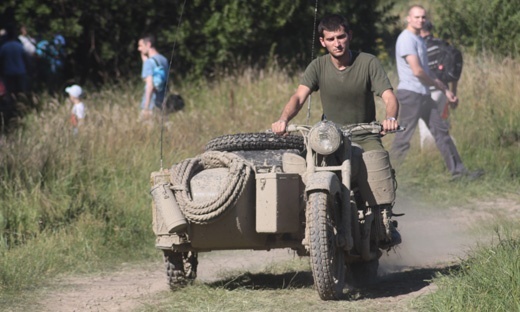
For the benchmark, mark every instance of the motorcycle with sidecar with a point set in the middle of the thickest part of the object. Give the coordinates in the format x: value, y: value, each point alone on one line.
x: 263, y: 191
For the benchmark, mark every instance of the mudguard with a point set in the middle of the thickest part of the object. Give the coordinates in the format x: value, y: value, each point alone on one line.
x: 325, y: 180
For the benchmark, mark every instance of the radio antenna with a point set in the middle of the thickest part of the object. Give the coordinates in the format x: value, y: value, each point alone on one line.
x: 312, y: 58
x: 163, y: 105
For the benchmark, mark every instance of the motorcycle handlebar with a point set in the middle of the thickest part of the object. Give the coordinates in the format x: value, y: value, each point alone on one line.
x: 367, y: 127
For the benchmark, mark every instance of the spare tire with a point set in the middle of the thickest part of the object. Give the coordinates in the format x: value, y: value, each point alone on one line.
x: 254, y: 142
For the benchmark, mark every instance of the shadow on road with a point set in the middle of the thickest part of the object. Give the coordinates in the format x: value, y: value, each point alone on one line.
x: 266, y: 281
x: 389, y: 285
x: 401, y: 283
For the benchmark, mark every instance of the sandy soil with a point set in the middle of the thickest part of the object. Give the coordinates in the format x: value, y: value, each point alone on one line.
x: 433, y: 240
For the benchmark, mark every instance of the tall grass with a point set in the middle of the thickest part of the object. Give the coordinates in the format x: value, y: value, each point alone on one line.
x: 487, y: 281
x: 68, y: 201
x: 75, y: 203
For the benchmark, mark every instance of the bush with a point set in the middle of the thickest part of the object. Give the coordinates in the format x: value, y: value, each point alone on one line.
x: 492, y: 26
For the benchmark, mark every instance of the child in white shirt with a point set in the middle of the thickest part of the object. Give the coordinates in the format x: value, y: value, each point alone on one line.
x: 78, y: 109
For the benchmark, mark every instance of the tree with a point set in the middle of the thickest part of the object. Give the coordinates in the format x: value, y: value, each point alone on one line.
x: 492, y: 26
x: 102, y: 34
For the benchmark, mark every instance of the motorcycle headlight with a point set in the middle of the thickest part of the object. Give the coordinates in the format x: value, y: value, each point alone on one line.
x: 325, y: 138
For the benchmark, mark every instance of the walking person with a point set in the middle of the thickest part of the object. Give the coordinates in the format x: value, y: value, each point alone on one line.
x: 13, y: 64
x: 414, y: 96
x: 151, y: 59
x: 426, y: 138
x: 348, y: 81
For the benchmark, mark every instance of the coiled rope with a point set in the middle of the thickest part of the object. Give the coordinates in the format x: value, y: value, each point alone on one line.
x: 208, y: 211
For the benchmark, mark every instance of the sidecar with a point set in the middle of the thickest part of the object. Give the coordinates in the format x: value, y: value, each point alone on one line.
x: 244, y: 192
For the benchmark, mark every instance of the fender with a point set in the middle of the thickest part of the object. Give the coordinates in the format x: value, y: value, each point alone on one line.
x: 324, y: 180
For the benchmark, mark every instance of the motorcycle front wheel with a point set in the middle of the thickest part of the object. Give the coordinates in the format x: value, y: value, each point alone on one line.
x: 327, y: 258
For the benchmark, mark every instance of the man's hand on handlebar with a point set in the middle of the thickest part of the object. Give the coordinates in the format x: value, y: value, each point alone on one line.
x: 279, y: 126
x: 389, y: 125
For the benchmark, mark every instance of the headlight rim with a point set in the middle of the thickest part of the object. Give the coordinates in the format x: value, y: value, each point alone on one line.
x: 334, y: 137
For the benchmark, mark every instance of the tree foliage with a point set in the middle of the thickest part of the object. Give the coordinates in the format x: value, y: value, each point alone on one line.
x: 199, y: 35
x: 492, y: 26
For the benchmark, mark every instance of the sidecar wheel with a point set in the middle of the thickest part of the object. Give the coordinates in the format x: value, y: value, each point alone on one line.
x: 254, y: 141
x: 181, y: 268
x: 327, y: 259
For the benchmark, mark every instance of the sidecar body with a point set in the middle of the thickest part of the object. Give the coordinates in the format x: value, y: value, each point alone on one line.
x: 264, y: 211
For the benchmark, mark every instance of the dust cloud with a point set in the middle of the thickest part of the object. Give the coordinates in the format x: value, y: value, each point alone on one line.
x: 431, y: 236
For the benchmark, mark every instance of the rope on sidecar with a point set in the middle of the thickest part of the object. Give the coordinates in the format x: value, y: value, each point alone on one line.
x: 208, y: 211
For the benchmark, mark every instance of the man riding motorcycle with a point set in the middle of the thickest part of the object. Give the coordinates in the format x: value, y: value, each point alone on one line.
x: 347, y: 81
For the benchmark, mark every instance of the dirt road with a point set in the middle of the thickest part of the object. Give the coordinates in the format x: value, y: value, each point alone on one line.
x: 433, y: 239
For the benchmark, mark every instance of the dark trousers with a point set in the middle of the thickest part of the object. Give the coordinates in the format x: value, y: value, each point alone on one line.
x: 15, y: 83
x: 414, y: 106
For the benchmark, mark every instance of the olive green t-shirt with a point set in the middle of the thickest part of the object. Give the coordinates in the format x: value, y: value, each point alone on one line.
x: 347, y: 96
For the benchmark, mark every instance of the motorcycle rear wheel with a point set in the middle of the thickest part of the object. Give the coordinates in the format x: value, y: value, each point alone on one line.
x: 327, y: 258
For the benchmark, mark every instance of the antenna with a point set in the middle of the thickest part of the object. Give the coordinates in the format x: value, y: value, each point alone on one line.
x: 312, y: 58
x: 163, y: 105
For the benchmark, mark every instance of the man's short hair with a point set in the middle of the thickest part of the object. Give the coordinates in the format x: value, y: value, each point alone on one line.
x: 413, y: 6
x: 428, y: 26
x: 149, y: 38
x: 333, y: 22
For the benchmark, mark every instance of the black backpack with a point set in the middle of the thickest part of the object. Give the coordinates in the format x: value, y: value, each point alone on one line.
x: 444, y: 60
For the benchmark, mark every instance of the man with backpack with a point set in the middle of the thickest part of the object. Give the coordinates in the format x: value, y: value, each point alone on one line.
x: 154, y: 73
x: 445, y: 61
x: 413, y: 93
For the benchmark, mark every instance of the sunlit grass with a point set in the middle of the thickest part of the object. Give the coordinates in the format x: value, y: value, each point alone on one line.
x: 488, y: 280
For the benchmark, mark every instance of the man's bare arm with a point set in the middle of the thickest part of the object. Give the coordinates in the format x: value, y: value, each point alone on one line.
x: 418, y: 71
x: 392, y: 110
x: 148, y: 92
x: 291, y: 109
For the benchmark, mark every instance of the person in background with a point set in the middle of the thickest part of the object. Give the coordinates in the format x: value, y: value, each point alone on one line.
x: 13, y: 64
x: 29, y: 43
x: 426, y: 137
x: 151, y: 58
x: 29, y: 46
x: 414, y: 96
x: 78, y: 112
x: 51, y: 62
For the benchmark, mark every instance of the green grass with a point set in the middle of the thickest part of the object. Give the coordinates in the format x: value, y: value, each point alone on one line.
x: 488, y: 280
x: 75, y: 204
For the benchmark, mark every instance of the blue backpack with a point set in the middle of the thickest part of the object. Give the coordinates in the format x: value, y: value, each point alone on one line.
x: 159, y: 76
x: 52, y: 52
